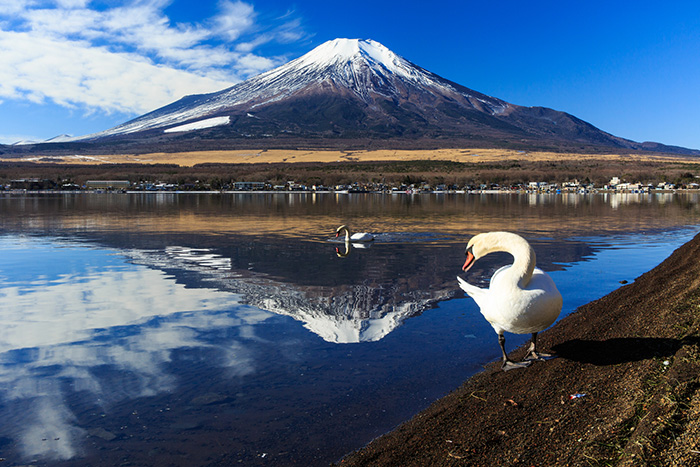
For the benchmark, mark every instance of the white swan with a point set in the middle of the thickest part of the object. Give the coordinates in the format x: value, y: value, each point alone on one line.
x: 356, y: 237
x: 520, y: 299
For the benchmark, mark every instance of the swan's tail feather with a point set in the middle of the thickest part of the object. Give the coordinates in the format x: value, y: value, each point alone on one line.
x: 471, y: 290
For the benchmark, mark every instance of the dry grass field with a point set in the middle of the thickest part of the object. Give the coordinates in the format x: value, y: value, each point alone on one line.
x: 275, y: 156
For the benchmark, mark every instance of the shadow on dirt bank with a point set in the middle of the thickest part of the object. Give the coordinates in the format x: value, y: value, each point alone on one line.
x: 620, y: 350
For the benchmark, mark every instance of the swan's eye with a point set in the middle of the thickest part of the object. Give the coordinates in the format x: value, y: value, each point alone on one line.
x: 469, y: 250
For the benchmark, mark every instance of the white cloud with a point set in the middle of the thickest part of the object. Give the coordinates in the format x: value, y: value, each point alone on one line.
x: 74, y: 73
x: 72, y: 3
x: 11, y: 7
x: 247, y: 47
x: 235, y: 18
x: 128, y: 58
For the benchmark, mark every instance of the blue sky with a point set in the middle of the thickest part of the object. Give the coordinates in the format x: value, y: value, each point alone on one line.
x: 78, y: 66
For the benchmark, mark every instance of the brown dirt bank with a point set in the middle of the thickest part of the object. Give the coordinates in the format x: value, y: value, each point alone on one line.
x: 634, y: 353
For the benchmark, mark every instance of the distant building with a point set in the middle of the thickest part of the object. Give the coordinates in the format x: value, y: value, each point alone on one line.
x: 246, y: 186
x: 108, y: 184
x: 629, y: 186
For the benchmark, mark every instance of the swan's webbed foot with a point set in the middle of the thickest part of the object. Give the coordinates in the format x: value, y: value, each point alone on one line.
x: 533, y: 354
x: 539, y: 356
x: 511, y: 365
x: 508, y: 364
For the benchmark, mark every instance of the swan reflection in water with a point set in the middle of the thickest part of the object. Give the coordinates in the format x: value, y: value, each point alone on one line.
x: 349, y: 246
x: 352, y: 240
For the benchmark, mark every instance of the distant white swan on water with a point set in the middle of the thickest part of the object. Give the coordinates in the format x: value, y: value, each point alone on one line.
x: 520, y: 299
x: 353, y: 238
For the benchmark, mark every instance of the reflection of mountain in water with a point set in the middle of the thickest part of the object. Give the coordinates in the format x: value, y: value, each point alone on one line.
x: 341, y: 313
x: 358, y: 298
x: 243, y: 243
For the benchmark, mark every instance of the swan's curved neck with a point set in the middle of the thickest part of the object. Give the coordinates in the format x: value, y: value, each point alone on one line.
x: 523, y: 264
x: 523, y: 259
x: 347, y: 233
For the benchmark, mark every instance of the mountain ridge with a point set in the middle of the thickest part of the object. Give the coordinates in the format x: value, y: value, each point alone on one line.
x: 352, y: 92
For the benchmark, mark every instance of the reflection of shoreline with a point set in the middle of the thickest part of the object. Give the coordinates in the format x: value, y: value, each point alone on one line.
x: 314, y: 216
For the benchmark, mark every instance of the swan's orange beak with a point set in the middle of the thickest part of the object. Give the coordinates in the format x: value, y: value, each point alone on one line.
x: 337, y: 234
x: 470, y: 260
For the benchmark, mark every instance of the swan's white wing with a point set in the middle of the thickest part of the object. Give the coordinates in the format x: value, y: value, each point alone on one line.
x: 362, y: 237
x: 482, y: 297
x: 535, y: 308
x: 541, y: 280
x: 513, y: 309
x: 496, y: 275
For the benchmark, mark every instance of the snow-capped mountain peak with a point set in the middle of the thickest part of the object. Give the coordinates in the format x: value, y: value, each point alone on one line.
x: 361, y: 67
x: 343, y: 51
x: 358, y: 65
x: 355, y: 65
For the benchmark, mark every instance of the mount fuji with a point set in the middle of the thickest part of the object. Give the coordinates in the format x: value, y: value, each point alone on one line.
x: 351, y: 92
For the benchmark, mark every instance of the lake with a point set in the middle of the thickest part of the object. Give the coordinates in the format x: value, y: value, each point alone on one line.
x: 232, y: 329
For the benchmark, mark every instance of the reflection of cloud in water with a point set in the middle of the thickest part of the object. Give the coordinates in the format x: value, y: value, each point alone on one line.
x: 49, y: 430
x: 61, y: 330
x: 70, y: 308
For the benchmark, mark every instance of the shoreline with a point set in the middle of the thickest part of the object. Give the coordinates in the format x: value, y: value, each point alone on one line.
x: 432, y: 171
x: 625, y: 389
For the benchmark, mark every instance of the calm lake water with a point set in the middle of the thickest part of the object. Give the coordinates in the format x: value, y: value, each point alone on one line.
x: 173, y: 329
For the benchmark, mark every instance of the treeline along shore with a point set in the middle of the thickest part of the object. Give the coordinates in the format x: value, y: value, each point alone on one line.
x: 624, y: 390
x: 514, y: 171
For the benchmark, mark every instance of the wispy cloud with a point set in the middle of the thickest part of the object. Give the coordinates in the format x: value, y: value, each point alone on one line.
x: 129, y: 57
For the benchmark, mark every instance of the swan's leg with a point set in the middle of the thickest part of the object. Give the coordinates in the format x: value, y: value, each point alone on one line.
x: 533, y: 354
x: 507, y: 363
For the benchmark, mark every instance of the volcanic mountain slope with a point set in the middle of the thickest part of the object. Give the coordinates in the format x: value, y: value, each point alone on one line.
x: 350, y: 89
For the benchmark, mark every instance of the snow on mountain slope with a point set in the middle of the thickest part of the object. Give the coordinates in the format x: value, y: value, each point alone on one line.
x: 200, y: 124
x: 361, y: 67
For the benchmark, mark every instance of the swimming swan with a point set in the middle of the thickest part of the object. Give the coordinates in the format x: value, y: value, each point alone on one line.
x: 520, y: 299
x: 356, y: 237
